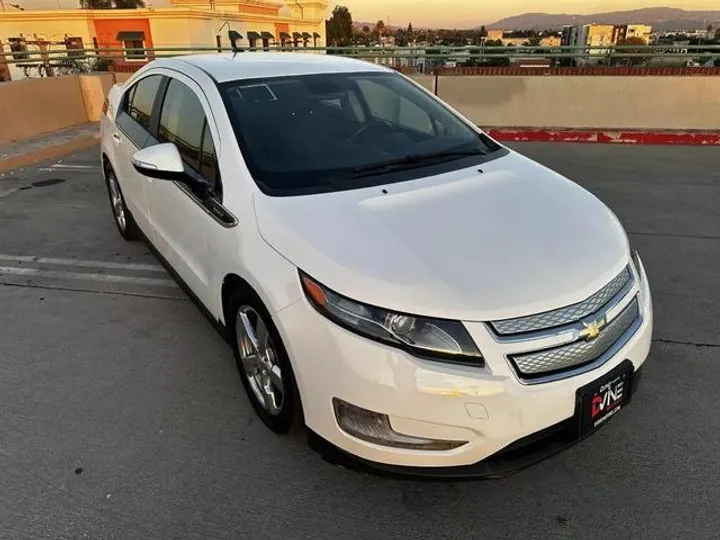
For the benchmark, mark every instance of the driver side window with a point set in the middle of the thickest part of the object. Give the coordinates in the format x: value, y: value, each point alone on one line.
x: 386, y: 104
x: 183, y: 122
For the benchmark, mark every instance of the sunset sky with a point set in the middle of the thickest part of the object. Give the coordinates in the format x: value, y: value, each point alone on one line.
x: 469, y: 13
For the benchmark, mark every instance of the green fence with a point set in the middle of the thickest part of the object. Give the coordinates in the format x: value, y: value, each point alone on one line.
x: 425, y: 59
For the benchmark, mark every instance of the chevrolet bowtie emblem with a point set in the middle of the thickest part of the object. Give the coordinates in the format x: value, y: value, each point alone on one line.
x: 592, y: 329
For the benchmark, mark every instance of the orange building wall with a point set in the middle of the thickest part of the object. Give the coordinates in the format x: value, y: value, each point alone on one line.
x: 257, y: 10
x: 107, y: 30
x: 281, y: 27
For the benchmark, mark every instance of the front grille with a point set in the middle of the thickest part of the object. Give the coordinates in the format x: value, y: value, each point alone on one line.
x: 576, y: 354
x: 565, y: 315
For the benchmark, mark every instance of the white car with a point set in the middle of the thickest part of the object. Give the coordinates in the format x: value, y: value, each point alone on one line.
x: 423, y: 298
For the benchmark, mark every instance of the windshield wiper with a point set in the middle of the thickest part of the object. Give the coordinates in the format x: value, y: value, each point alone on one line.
x: 414, y: 160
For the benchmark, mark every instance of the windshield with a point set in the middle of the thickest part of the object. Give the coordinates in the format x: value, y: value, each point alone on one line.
x: 338, y: 131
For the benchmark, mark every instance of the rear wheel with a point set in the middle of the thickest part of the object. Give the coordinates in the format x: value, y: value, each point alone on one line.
x: 123, y: 218
x: 263, y: 363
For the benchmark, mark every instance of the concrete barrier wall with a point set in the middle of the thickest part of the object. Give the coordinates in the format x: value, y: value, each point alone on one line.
x: 609, y: 102
x: 35, y: 106
x: 32, y: 107
x: 94, y: 89
x: 121, y: 77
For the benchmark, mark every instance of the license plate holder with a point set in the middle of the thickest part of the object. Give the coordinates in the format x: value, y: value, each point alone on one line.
x: 600, y: 400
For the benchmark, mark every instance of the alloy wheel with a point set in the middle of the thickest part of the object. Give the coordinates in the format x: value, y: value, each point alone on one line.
x: 259, y: 360
x: 116, y: 200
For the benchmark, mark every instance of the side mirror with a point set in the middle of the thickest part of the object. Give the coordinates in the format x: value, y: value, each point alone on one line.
x: 161, y: 161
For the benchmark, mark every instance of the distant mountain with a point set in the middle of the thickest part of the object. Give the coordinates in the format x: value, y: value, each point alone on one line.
x: 661, y: 18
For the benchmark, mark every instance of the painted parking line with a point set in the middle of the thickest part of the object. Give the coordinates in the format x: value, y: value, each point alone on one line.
x: 82, y: 263
x: 71, y: 166
x: 107, y: 278
x: 6, y: 192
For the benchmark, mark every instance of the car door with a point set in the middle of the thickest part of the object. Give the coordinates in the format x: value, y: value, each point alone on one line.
x: 132, y: 133
x: 189, y: 227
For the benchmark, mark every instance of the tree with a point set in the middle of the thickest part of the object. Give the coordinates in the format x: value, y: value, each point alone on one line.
x: 129, y: 4
x: 410, y: 33
x: 111, y: 4
x: 364, y: 36
x: 401, y: 38
x: 339, y: 27
x: 483, y: 32
x: 378, y: 31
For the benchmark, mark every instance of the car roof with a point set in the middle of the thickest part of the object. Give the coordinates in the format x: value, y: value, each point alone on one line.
x: 252, y: 65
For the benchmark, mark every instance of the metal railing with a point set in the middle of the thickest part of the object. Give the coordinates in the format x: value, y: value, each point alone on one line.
x: 429, y: 57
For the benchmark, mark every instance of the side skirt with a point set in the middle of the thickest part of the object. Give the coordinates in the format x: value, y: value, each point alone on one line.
x: 217, y: 324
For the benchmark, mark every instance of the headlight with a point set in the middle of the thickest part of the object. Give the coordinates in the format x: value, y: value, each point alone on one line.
x: 437, y: 339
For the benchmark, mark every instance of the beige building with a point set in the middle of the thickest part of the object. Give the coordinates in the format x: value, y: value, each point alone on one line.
x: 550, y: 41
x: 262, y: 24
x: 494, y: 35
x: 599, y: 35
x: 627, y: 31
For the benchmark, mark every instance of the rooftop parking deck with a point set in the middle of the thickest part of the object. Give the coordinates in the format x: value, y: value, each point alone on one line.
x: 123, y: 415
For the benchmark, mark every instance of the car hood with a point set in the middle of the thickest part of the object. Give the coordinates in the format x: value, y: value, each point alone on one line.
x: 512, y: 239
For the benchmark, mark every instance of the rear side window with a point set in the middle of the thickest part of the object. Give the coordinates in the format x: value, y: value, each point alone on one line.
x: 141, y: 99
x: 182, y: 122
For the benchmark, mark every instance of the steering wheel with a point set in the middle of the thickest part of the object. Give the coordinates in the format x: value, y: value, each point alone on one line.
x: 376, y: 126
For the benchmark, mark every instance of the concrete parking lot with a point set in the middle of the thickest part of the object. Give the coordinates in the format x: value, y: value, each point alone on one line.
x: 122, y: 414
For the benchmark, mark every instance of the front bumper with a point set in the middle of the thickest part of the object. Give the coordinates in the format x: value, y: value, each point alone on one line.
x: 508, y: 424
x: 513, y: 458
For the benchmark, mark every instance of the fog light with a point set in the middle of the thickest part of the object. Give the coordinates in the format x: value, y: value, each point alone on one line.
x: 375, y: 428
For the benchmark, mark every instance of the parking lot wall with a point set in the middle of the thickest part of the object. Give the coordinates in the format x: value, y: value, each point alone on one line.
x: 578, y: 102
x: 33, y: 107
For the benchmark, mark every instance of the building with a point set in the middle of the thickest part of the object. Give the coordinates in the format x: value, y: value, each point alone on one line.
x: 262, y: 24
x: 550, y: 41
x: 599, y: 35
x: 495, y: 35
x: 574, y: 36
x: 625, y: 31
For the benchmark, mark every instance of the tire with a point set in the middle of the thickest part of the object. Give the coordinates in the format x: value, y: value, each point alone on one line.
x: 269, y: 382
x: 124, y: 220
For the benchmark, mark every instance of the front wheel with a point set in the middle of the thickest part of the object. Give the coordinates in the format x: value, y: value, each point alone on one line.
x: 263, y: 364
x: 123, y: 218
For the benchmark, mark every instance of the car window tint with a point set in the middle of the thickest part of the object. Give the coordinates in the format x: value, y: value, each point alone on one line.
x: 128, y: 99
x: 181, y: 122
x: 386, y: 104
x: 356, y: 106
x: 208, y: 160
x: 142, y: 99
x: 312, y: 133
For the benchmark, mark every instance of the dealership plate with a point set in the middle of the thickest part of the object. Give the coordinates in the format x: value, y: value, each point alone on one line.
x: 603, y: 398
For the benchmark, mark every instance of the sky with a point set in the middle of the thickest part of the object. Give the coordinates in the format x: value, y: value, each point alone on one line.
x: 454, y: 13
x: 471, y: 13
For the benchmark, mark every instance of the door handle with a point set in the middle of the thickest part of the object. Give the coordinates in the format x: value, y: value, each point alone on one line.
x: 117, y: 139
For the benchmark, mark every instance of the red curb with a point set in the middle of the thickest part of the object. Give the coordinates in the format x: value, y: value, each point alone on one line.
x: 700, y: 138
